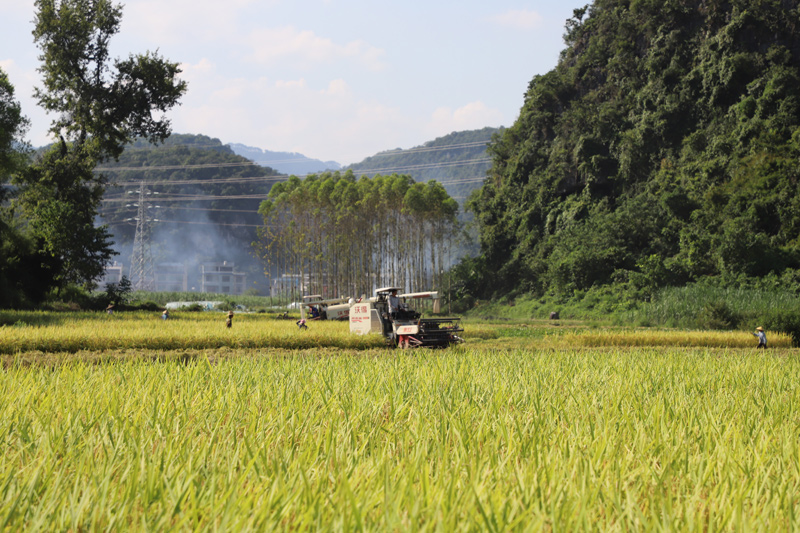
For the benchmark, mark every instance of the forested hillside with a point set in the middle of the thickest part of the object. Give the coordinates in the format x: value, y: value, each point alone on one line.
x: 662, y: 149
x: 203, y: 197
x: 458, y: 161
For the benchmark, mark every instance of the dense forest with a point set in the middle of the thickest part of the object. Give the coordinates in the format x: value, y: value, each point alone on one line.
x: 662, y: 149
x: 347, y: 236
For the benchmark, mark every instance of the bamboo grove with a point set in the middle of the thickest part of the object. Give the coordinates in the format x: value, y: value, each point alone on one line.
x: 346, y: 236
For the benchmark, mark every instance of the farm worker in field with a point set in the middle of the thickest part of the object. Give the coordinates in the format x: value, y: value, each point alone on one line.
x: 165, y: 314
x: 314, y: 313
x: 762, y: 337
x: 110, y: 309
x: 394, y: 303
x: 229, y: 322
x: 301, y: 324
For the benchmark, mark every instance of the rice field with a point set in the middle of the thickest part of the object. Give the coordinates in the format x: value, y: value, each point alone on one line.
x: 520, y: 428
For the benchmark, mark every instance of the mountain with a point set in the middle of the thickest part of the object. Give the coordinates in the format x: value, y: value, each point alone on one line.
x: 662, y: 149
x: 290, y: 163
x: 459, y: 161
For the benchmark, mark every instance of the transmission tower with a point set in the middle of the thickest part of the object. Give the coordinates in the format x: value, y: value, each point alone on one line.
x: 142, y: 272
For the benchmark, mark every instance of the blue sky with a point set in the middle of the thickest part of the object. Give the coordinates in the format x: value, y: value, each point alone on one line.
x: 332, y: 79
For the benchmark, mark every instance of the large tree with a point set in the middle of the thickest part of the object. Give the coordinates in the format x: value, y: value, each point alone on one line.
x: 13, y: 126
x: 100, y: 106
x: 18, y: 263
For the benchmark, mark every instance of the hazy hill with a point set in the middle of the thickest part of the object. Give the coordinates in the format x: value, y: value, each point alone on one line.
x: 459, y: 161
x: 284, y: 162
x: 205, y: 199
x: 662, y: 149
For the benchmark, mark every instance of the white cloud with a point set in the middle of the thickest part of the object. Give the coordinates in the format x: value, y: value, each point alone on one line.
x: 291, y: 84
x: 325, y: 121
x: 338, y: 87
x: 177, y: 21
x: 474, y: 115
x: 523, y: 19
x: 307, y: 48
x: 202, y: 67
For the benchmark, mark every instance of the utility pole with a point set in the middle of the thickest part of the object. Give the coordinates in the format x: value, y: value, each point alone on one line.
x: 142, y: 271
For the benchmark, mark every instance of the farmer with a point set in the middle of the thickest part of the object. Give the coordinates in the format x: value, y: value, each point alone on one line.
x: 301, y: 324
x: 762, y: 337
x: 165, y: 314
x: 229, y: 322
x: 394, y: 303
x: 110, y: 309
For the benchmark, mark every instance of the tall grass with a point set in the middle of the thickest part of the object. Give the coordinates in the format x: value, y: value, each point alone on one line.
x: 685, y: 306
x: 455, y: 440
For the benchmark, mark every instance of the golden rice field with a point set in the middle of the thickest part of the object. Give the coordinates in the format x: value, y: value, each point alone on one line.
x: 131, y: 423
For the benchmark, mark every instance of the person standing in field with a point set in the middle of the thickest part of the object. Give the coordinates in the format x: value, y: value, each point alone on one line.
x: 762, y: 337
x: 229, y: 322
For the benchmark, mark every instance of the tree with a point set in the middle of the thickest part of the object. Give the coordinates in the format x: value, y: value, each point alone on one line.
x: 19, y: 266
x: 13, y: 126
x: 101, y: 106
x: 346, y: 236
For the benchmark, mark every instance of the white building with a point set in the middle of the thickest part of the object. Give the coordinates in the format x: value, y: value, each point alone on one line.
x: 171, y: 277
x: 112, y: 274
x: 222, y: 278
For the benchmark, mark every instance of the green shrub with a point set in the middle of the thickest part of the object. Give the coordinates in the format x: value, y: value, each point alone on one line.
x: 718, y: 315
x: 786, y: 322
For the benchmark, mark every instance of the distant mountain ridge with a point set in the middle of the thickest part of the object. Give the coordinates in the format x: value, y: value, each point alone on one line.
x: 284, y: 162
x: 458, y: 160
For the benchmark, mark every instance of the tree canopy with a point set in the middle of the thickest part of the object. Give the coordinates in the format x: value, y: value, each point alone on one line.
x: 343, y: 235
x: 101, y: 105
x: 662, y: 148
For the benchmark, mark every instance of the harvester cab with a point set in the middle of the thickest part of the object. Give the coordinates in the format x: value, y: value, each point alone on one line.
x: 405, y: 327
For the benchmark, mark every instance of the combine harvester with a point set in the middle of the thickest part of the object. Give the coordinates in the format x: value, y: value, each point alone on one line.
x: 407, y: 329
x: 331, y: 309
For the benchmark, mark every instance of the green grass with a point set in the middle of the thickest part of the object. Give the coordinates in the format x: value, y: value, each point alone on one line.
x: 690, y: 305
x: 464, y: 439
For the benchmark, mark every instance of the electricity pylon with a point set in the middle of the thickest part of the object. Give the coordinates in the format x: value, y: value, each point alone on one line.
x: 142, y: 271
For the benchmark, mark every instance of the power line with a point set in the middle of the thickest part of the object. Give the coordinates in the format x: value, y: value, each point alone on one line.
x: 194, y: 222
x: 180, y: 167
x: 199, y: 197
x: 422, y: 149
x: 440, y: 148
x: 279, y: 178
x: 210, y: 181
x: 209, y: 198
x: 428, y: 166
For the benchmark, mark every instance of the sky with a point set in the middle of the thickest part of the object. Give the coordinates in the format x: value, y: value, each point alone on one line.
x: 336, y: 80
